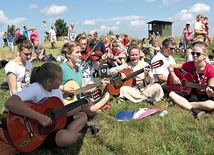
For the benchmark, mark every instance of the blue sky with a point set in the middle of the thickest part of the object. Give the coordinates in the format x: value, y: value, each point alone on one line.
x: 120, y: 16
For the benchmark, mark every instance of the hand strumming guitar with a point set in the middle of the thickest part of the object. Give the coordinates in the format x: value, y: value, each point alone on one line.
x: 105, y: 82
x: 44, y: 120
x: 68, y: 90
x: 210, y: 92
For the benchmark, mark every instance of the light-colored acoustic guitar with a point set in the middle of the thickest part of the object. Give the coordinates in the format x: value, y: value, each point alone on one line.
x: 71, y: 98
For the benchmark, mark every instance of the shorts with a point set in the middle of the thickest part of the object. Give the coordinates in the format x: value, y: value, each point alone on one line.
x: 50, y: 141
x: 53, y: 38
x: 194, y: 98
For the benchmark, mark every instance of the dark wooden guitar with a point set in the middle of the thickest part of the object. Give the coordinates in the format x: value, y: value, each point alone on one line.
x: 26, y: 134
x: 187, y: 84
x: 116, y: 82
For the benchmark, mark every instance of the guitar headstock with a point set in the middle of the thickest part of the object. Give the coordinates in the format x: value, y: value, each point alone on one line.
x: 156, y: 64
x: 106, y: 56
x: 114, y: 77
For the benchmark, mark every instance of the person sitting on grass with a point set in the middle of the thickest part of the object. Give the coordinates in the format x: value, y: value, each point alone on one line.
x: 45, y: 82
x: 18, y: 70
x: 145, y: 89
x: 198, y: 102
x: 161, y: 73
x: 117, y: 55
x: 71, y: 71
x: 40, y: 54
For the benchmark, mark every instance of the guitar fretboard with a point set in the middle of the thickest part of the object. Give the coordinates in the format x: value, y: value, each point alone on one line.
x: 89, y: 86
x: 195, y: 85
x: 63, y: 110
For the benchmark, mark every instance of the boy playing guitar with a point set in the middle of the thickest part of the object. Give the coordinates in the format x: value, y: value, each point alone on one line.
x: 204, y: 72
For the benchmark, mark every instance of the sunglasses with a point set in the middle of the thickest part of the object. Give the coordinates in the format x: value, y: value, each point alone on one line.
x: 114, y: 46
x: 198, y: 54
x: 171, y: 48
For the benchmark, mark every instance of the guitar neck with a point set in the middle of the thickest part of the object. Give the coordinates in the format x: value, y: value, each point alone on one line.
x: 195, y: 85
x: 89, y: 86
x: 130, y: 76
x: 63, y: 110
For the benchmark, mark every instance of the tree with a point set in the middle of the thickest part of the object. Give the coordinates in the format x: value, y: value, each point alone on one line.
x: 61, y: 27
x: 110, y: 32
x: 11, y: 29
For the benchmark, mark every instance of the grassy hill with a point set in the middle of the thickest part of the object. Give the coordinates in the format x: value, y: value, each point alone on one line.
x: 178, y: 133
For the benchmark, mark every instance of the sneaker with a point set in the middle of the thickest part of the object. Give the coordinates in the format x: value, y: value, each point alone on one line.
x: 151, y: 101
x: 94, y: 118
x: 92, y: 129
x: 119, y: 100
x: 197, y: 113
x: 171, y: 103
x: 107, y: 106
x: 58, y: 150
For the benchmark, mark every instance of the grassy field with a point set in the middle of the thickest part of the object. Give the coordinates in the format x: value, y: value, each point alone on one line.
x: 178, y: 133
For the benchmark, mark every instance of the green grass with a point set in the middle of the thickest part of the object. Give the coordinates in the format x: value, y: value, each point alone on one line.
x: 178, y: 133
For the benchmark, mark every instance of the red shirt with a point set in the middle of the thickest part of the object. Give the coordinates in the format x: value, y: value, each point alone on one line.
x: 115, y: 53
x: 125, y: 42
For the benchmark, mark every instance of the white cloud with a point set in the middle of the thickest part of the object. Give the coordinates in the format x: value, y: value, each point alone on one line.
x: 104, y: 28
x: 199, y: 7
x: 33, y: 6
x: 137, y: 24
x: 118, y: 22
x: 89, y: 22
x: 124, y: 18
x: 54, y: 10
x: 118, y: 19
x: 190, y: 14
x: 183, y: 15
x: 5, y: 21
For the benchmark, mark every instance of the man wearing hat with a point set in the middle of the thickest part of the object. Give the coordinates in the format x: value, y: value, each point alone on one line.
x: 187, y: 32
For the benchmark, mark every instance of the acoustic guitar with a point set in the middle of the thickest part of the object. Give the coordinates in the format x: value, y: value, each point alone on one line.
x: 187, y: 84
x: 71, y: 98
x: 26, y: 134
x: 116, y: 82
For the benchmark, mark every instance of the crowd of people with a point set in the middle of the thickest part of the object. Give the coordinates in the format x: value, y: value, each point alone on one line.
x: 85, y: 55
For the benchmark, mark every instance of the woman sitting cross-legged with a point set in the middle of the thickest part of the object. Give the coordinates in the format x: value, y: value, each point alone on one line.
x: 145, y: 88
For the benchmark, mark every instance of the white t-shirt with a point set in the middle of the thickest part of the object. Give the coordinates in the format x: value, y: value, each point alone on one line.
x: 37, y: 94
x: 52, y: 32
x: 87, y: 71
x: 22, y: 73
x: 162, y: 69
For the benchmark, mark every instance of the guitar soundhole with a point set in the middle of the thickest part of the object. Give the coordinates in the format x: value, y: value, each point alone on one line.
x: 47, y: 129
x: 117, y: 83
x: 183, y: 83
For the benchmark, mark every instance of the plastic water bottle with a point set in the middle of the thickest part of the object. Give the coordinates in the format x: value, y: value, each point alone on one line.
x: 162, y: 114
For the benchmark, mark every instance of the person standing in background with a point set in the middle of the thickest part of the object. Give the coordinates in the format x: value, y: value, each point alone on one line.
x: 187, y: 32
x: 17, y: 34
x: 5, y: 39
x: 10, y: 41
x: 34, y: 36
x: 205, y: 22
x: 52, y: 36
x: 199, y: 29
x: 25, y: 32
x: 72, y: 32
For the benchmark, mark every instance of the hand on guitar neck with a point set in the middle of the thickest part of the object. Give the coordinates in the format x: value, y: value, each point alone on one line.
x: 104, y: 58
